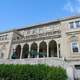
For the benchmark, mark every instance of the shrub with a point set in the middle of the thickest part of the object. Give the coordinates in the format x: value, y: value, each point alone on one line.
x: 31, y: 72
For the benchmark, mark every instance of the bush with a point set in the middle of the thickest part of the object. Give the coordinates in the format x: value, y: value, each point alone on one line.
x: 31, y: 72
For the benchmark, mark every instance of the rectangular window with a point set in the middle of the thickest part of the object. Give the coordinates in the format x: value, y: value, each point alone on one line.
x: 75, y: 47
x: 71, y: 25
x: 77, y: 66
x: 77, y: 24
x: 34, y: 31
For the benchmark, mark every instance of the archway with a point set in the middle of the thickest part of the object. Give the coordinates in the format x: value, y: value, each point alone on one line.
x: 33, y: 52
x: 25, y: 51
x: 52, y: 49
x: 43, y: 49
x: 18, y: 51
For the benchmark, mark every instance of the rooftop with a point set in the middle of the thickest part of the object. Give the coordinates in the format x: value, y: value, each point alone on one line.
x: 44, y: 23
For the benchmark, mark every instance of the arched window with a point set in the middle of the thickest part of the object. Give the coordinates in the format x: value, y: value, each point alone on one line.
x: 52, y: 48
x: 25, y: 51
x: 43, y: 49
x: 33, y: 52
x: 18, y: 51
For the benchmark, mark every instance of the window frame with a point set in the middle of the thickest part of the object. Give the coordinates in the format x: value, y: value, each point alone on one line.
x: 77, y: 25
x: 77, y: 45
x: 71, y: 25
x: 77, y: 67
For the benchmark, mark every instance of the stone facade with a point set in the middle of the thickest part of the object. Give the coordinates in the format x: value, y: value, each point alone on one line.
x: 56, y: 43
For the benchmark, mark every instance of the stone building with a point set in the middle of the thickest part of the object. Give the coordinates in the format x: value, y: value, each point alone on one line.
x: 56, y: 43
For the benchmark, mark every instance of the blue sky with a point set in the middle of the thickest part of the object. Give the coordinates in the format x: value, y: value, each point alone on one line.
x: 21, y: 13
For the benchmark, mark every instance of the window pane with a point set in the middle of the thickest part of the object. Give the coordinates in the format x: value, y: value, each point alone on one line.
x: 71, y: 25
x: 75, y: 47
x: 77, y: 24
x: 77, y: 66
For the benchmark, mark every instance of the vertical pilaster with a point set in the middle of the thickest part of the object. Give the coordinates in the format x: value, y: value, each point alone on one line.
x: 47, y: 49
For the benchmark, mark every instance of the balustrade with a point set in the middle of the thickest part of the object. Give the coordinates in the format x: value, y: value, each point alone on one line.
x: 40, y: 35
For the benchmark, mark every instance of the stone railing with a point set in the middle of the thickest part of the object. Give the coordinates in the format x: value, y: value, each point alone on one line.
x: 42, y: 36
x: 48, y: 61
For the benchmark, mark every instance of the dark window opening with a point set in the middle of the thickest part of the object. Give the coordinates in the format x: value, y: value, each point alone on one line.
x: 77, y: 24
x: 77, y: 66
x: 75, y: 49
x: 71, y: 25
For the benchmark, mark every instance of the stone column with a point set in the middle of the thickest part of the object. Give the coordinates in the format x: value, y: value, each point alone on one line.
x: 57, y: 50
x: 47, y: 49
x: 21, y: 51
x: 38, y: 50
x: 29, y: 50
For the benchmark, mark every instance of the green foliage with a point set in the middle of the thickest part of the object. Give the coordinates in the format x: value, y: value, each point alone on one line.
x: 31, y: 72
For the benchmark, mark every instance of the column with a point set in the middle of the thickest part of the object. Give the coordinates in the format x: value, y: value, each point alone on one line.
x: 38, y: 50
x: 21, y: 51
x: 29, y: 50
x: 57, y: 50
x: 47, y: 49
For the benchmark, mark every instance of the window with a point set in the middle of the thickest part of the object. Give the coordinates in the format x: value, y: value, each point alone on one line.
x: 77, y: 66
x: 71, y: 25
x: 34, y: 31
x: 77, y: 24
x: 75, y: 47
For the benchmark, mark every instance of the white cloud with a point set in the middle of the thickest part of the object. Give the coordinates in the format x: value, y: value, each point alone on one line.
x: 69, y: 7
x: 72, y: 7
x: 78, y: 0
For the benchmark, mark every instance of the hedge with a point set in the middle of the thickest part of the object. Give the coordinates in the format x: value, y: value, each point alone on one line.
x: 31, y: 72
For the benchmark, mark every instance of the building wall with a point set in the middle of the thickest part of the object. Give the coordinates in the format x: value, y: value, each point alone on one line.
x: 67, y: 33
x: 59, y: 31
x: 21, y: 37
x: 5, y: 44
